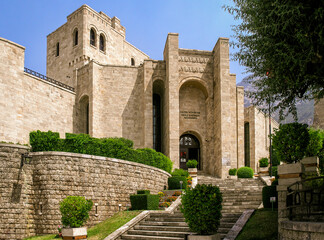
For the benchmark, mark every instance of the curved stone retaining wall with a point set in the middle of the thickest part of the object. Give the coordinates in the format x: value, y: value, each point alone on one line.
x: 51, y: 176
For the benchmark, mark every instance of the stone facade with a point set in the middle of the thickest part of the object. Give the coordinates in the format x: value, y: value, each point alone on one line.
x: 257, y: 126
x: 319, y: 114
x: 30, y: 194
x: 117, y: 91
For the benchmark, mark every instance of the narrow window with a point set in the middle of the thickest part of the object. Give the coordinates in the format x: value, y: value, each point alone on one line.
x: 57, y: 49
x: 76, y: 37
x: 102, y: 43
x: 132, y: 62
x: 92, y: 37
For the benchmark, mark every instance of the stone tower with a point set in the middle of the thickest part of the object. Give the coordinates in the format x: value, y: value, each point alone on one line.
x: 88, y: 36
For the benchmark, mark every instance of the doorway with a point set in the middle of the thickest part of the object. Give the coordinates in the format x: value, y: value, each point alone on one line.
x: 189, y: 149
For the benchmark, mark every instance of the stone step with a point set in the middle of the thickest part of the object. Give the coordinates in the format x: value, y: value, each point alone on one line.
x: 166, y: 219
x: 176, y: 224
x: 162, y: 228
x: 143, y: 237
x: 158, y: 233
x: 177, y: 214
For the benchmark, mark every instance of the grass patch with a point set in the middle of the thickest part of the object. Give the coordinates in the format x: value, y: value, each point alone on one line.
x: 101, y: 230
x: 263, y: 224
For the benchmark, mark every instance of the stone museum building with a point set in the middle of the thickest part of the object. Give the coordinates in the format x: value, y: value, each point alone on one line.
x: 186, y: 106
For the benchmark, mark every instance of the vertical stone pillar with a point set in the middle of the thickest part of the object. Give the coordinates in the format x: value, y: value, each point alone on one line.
x: 288, y: 174
x: 148, y: 104
x: 319, y: 114
x: 225, y: 131
x: 171, y: 56
x: 311, y: 165
x: 240, y: 126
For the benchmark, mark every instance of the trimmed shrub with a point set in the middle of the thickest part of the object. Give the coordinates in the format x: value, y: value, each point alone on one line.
x: 192, y: 163
x: 201, y: 208
x: 180, y: 172
x: 264, y: 162
x: 290, y: 142
x: 75, y: 211
x: 232, y: 172
x: 143, y: 191
x: 119, y: 148
x: 45, y: 141
x: 174, y: 182
x: 267, y: 192
x: 245, y: 172
x: 145, y: 202
x: 274, y: 158
x: 316, y: 146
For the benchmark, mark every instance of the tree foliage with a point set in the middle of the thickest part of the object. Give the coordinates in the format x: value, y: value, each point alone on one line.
x: 281, y: 43
x: 290, y: 142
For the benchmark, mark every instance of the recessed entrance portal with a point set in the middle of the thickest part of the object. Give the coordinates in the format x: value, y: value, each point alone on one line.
x: 189, y: 149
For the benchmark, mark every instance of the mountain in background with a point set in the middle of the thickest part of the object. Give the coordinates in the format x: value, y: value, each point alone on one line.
x: 305, y: 109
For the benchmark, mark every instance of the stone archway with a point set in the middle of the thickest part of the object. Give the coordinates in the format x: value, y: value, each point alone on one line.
x: 189, y: 149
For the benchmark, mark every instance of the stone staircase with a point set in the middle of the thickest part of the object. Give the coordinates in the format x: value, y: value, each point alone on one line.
x: 160, y: 226
x: 238, y: 196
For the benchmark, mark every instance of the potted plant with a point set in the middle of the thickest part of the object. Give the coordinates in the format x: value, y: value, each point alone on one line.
x: 201, y: 207
x: 75, y: 212
x: 263, y: 166
x: 192, y: 167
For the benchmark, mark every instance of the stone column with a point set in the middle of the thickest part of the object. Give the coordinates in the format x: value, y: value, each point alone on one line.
x: 288, y: 174
x: 171, y: 56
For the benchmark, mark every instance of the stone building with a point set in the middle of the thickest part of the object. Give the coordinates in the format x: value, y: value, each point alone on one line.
x: 187, y: 105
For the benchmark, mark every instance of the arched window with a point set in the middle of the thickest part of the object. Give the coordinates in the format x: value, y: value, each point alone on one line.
x: 75, y: 37
x: 102, y: 42
x: 132, y: 62
x: 57, y: 49
x: 92, y: 37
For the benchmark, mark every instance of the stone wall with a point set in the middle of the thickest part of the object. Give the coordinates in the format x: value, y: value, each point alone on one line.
x: 30, y: 195
x: 29, y: 103
x: 319, y: 114
x: 292, y: 230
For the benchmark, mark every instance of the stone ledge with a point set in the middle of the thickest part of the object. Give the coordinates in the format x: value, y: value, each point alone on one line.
x: 238, y: 226
x: 12, y: 145
x: 316, y: 227
x: 79, y: 155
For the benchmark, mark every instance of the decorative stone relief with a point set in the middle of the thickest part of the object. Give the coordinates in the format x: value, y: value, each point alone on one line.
x: 193, y: 59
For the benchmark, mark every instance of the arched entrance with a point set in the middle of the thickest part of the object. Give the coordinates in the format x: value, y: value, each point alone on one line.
x: 189, y: 149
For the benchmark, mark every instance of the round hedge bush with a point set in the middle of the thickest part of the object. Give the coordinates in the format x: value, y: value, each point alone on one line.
x: 245, y: 172
x: 264, y: 162
x: 192, y: 163
x: 75, y: 211
x: 201, y: 207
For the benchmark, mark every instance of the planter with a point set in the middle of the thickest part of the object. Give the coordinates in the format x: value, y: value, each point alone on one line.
x: 192, y: 172
x: 232, y: 177
x: 74, y: 233
x: 204, y: 237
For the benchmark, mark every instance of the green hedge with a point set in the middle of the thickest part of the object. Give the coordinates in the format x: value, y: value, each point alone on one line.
x: 180, y: 172
x: 267, y: 192
x: 145, y: 202
x: 245, y: 172
x: 143, y: 192
x: 119, y: 148
x: 174, y: 182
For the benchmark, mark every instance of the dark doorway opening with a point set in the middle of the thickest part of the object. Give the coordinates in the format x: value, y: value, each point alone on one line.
x: 189, y: 149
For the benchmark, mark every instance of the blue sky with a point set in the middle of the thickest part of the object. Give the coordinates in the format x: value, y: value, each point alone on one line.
x: 199, y: 24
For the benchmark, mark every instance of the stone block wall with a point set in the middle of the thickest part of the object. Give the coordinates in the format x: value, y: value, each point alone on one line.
x: 30, y: 195
x: 29, y: 103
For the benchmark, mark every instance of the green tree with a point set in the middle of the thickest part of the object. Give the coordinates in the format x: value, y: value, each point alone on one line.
x: 290, y: 142
x: 286, y: 40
